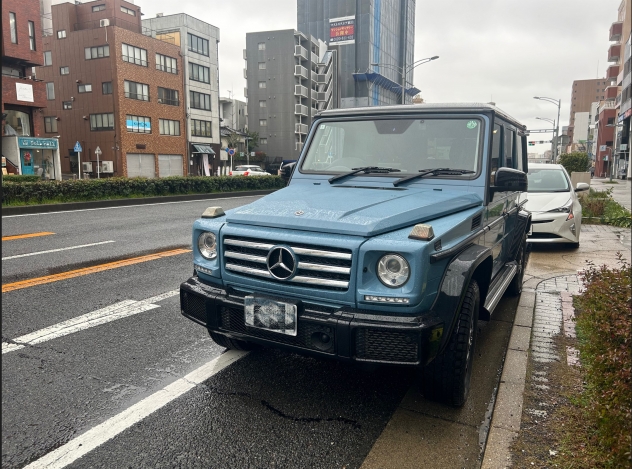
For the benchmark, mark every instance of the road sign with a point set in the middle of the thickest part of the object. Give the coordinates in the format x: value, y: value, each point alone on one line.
x: 252, y: 153
x: 602, y: 147
x: 98, y: 151
x: 231, y: 152
x: 78, y: 147
x: 241, y: 153
x: 538, y: 142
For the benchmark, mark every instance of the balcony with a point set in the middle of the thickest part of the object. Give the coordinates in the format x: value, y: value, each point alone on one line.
x: 300, y: 110
x: 611, y: 92
x: 314, y: 76
x: 300, y: 90
x: 300, y: 129
x: 614, y: 53
x: 23, y: 91
x: 314, y: 58
x: 246, y: 73
x: 616, y: 29
x: 324, y: 96
x: 300, y: 71
x: 300, y: 51
x: 612, y: 72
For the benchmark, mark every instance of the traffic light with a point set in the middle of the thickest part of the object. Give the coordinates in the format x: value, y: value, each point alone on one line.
x: 531, y: 142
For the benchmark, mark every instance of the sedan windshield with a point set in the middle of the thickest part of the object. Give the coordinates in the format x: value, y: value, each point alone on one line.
x: 402, y: 145
x: 548, y: 180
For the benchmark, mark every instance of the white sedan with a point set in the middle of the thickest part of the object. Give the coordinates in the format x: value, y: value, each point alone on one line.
x: 248, y: 170
x: 554, y: 205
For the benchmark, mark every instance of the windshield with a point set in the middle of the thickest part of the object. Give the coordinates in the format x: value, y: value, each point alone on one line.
x: 547, y: 180
x: 404, y: 144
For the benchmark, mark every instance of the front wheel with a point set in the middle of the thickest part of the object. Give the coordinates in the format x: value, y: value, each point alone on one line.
x: 447, y: 378
x: 515, y: 287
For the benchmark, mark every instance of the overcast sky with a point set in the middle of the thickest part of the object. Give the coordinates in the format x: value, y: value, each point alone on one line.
x: 506, y: 51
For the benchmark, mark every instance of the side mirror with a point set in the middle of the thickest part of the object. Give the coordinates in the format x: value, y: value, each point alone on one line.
x: 287, y: 172
x: 509, y: 179
x: 582, y: 186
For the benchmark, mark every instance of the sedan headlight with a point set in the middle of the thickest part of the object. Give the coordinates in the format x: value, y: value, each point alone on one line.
x: 207, y: 244
x: 566, y: 208
x: 393, y: 270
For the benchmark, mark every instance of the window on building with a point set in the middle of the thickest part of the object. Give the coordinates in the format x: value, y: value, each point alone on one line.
x: 61, y: 34
x: 102, y: 121
x: 135, y: 90
x: 98, y: 7
x: 85, y: 88
x: 262, y: 65
x: 134, y: 55
x: 262, y: 84
x: 32, y: 35
x: 48, y: 58
x: 261, y: 46
x: 129, y: 11
x: 263, y: 122
x: 50, y: 90
x: 197, y: 44
x: 200, y: 128
x: 169, y: 127
x: 50, y: 124
x: 263, y: 141
x: 167, y: 96
x: 610, y: 121
x: 166, y: 63
x: 13, y: 26
x: 199, y: 73
x: 67, y: 105
x: 263, y: 103
x: 64, y: 70
x: 97, y: 52
x: 199, y: 100
x: 106, y: 87
x: 138, y: 124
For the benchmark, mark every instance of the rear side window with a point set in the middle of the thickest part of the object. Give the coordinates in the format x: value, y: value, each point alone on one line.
x: 509, y: 161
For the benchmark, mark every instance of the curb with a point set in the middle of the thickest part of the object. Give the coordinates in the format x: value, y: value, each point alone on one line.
x: 507, y: 413
x: 48, y: 208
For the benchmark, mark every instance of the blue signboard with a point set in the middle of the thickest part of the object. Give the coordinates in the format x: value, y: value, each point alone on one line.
x: 34, y: 142
x: 78, y: 147
x: 134, y: 125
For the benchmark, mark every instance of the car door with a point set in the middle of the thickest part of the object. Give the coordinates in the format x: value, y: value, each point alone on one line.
x: 494, y: 218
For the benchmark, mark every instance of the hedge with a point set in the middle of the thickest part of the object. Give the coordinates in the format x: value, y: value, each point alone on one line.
x: 576, y: 162
x: 25, y: 193
x: 21, y: 178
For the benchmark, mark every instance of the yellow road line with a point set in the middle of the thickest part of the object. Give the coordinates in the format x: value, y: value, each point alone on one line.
x: 89, y: 270
x: 27, y: 235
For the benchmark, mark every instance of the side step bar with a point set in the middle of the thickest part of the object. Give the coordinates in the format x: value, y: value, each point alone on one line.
x: 499, y: 285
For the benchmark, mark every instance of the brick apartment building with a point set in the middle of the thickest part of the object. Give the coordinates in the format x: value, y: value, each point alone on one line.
x: 110, y: 86
x: 583, y: 94
x: 24, y: 150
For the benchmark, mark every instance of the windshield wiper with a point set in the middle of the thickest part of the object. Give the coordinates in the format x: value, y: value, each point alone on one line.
x: 432, y: 172
x: 365, y: 170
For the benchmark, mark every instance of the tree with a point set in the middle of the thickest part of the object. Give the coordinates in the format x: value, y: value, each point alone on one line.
x: 233, y: 139
x: 575, y: 162
x: 253, y: 140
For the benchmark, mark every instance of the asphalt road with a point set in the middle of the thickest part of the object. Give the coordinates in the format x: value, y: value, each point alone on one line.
x: 126, y: 393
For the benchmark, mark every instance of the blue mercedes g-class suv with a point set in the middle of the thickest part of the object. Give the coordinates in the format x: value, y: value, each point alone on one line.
x: 399, y: 229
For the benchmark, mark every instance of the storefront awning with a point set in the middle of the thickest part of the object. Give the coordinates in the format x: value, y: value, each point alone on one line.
x: 203, y: 149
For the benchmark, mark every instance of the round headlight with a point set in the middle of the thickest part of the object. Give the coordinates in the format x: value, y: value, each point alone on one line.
x: 207, y: 245
x: 393, y: 270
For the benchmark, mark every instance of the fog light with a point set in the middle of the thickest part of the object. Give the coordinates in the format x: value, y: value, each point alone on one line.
x: 572, y: 228
x: 385, y: 299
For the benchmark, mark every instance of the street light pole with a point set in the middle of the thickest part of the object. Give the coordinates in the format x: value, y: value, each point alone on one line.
x: 552, y: 121
x: 558, y: 103
x: 404, y: 71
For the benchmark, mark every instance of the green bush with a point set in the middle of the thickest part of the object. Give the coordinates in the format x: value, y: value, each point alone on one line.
x: 25, y: 193
x: 21, y: 178
x: 604, y: 321
x: 599, y: 208
x: 576, y: 162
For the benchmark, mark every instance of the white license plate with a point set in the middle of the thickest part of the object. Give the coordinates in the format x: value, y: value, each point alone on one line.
x: 271, y: 315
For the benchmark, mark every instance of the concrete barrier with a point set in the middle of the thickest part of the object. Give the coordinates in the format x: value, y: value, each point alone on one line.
x: 580, y: 177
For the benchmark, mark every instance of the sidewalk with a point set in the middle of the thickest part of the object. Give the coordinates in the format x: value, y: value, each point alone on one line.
x: 544, y: 313
x: 621, y: 189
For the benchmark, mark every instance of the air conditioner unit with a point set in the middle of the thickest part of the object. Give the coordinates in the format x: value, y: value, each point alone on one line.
x: 103, y: 23
x: 86, y: 167
x: 159, y: 100
x: 107, y: 166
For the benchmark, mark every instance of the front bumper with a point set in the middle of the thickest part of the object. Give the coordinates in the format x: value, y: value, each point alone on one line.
x: 345, y: 333
x: 554, y: 228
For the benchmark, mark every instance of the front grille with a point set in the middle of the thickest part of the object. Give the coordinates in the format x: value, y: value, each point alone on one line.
x: 386, y: 346
x: 544, y: 236
x: 319, y: 267
x: 195, y: 306
x: 535, y: 222
x: 308, y: 335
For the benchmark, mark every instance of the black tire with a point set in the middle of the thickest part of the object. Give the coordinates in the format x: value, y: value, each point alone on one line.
x: 233, y: 344
x: 447, y: 378
x: 574, y: 245
x: 515, y: 287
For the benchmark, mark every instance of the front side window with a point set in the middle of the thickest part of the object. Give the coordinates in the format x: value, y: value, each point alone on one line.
x: 97, y: 52
x: 134, y: 55
x: 168, y: 96
x: 85, y: 88
x: 433, y: 143
x: 199, y: 73
x: 64, y: 70
x: 548, y: 180
x: 197, y: 44
x: 200, y: 128
x: 138, y: 124
x: 135, y: 90
x: 48, y: 58
x: 50, y: 124
x: 509, y: 148
x: 50, y: 90
x: 169, y: 127
x: 13, y: 26
x: 32, y: 35
x: 102, y: 121
x: 200, y: 100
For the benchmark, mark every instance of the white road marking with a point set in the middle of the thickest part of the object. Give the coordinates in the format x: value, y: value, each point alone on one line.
x: 119, y: 310
x: 56, y: 250
x: 130, y: 206
x: 95, y: 437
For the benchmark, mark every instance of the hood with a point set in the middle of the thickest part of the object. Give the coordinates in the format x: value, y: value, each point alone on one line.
x: 545, y: 201
x: 359, y: 211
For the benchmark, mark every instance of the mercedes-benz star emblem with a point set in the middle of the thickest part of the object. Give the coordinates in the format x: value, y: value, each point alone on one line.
x: 281, y: 262
x: 298, y: 213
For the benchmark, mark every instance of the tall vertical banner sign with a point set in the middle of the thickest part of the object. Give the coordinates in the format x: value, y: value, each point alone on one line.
x: 342, y: 30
